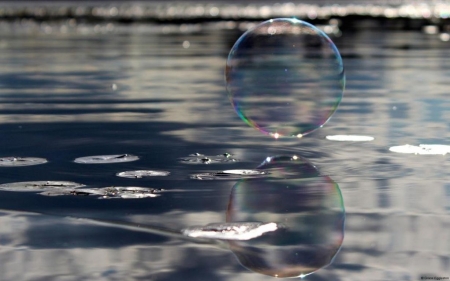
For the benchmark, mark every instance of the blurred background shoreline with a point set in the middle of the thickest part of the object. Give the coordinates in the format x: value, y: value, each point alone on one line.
x: 400, y: 15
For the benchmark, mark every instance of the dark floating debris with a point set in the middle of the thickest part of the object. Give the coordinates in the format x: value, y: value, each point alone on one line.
x: 106, y: 159
x: 198, y: 158
x: 142, y: 173
x: 21, y: 161
x: 230, y: 175
x: 231, y: 231
x: 36, y: 186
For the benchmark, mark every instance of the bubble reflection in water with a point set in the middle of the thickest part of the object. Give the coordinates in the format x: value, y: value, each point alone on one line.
x: 309, y: 206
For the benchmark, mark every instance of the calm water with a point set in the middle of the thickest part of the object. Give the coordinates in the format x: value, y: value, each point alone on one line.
x: 158, y: 92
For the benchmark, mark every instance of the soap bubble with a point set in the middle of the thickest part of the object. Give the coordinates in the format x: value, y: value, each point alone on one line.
x: 285, y: 77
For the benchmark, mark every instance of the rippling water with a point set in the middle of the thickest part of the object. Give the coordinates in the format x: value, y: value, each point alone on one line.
x: 157, y: 92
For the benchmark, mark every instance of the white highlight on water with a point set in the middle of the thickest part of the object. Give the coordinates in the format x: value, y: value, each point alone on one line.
x: 231, y: 231
x: 422, y: 149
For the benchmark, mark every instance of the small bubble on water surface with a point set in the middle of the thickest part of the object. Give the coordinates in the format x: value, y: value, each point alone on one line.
x: 106, y: 159
x: 285, y: 77
x: 444, y: 37
x: 21, y: 161
x: 186, y: 44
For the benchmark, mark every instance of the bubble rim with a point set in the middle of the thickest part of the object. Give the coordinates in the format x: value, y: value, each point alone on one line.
x: 236, y: 107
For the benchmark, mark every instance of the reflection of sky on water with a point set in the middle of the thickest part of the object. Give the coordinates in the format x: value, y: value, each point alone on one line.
x: 308, y: 209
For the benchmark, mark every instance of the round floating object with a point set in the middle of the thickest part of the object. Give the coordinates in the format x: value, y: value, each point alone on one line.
x: 128, y: 192
x: 231, y: 231
x: 198, y: 158
x: 285, y: 77
x: 229, y: 175
x: 34, y: 186
x: 142, y: 173
x: 21, y: 161
x: 106, y: 159
x: 349, y: 138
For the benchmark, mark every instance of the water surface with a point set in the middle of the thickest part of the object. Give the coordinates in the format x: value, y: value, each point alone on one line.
x: 71, y: 90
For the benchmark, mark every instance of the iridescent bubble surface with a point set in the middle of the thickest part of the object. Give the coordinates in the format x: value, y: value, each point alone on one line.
x: 285, y: 77
x: 310, y: 208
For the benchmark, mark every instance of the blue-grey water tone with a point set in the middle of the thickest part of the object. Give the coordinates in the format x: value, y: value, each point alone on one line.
x: 157, y: 91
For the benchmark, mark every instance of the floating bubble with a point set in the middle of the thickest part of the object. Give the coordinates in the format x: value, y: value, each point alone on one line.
x: 142, y: 173
x: 310, y: 208
x: 21, y: 161
x: 231, y: 231
x: 36, y: 186
x: 106, y: 159
x: 285, y: 77
x: 229, y: 175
